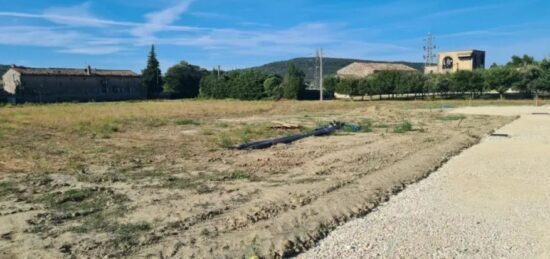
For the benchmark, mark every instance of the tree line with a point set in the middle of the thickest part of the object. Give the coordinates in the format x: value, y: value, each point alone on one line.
x: 183, y: 80
x: 523, y: 74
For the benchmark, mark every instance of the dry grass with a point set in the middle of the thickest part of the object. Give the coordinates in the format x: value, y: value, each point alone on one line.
x: 71, y: 114
x: 73, y: 136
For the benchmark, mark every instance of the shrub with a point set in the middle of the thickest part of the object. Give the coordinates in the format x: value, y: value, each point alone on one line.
x: 403, y: 127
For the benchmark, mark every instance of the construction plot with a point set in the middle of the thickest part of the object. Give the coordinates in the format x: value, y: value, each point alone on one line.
x: 159, y: 179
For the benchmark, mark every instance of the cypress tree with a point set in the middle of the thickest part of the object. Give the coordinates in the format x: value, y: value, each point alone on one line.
x: 152, y: 75
x: 293, y: 83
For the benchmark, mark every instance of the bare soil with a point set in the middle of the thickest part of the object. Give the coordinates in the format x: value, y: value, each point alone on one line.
x: 171, y: 188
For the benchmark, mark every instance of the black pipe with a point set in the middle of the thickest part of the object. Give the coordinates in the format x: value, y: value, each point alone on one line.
x: 287, y: 140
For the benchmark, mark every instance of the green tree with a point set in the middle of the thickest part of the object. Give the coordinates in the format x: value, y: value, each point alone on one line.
x: 518, y: 61
x: 386, y: 82
x: 152, y: 75
x: 477, y: 82
x: 293, y: 83
x: 329, y: 86
x: 183, y: 80
x: 541, y: 84
x: 247, y: 84
x: 501, y: 79
x: 273, y: 87
x: 545, y: 64
x: 527, y: 75
x: 363, y: 87
x: 460, y: 81
x: 214, y: 86
x: 348, y: 86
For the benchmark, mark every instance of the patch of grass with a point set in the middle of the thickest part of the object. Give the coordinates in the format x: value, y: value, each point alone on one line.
x: 403, y: 127
x: 182, y: 122
x: 366, y: 125
x: 245, y: 134
x: 101, y: 129
x: 179, y: 183
x: 450, y: 117
x: 127, y: 233
x: 240, y: 175
x: 102, y: 178
x: 155, y: 122
x: 8, y: 188
x: 225, y: 141
x: 78, y: 200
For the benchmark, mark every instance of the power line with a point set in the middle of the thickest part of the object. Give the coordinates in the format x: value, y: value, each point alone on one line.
x: 429, y: 50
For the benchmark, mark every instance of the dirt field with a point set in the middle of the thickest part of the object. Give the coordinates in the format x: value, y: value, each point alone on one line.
x: 157, y: 180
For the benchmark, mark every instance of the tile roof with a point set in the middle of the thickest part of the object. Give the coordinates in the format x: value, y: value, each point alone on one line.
x: 74, y: 72
x: 360, y: 69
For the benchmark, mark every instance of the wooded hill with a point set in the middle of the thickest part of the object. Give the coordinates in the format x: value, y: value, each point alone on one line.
x: 331, y: 66
x: 3, y: 69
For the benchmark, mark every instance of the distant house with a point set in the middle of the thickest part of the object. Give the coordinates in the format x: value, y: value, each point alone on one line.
x: 454, y: 61
x: 360, y: 69
x: 24, y: 84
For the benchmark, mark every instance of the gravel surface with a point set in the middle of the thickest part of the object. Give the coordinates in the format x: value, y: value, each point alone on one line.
x: 491, y: 201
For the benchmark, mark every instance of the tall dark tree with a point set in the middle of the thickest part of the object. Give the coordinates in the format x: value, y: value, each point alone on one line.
x: 152, y: 76
x: 293, y: 83
x: 183, y: 79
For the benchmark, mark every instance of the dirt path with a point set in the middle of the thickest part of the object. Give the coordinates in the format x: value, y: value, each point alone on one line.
x: 492, y: 201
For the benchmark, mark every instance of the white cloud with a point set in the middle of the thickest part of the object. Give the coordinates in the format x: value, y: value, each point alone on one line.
x: 69, y: 19
x: 92, y: 50
x: 162, y: 20
x: 37, y: 36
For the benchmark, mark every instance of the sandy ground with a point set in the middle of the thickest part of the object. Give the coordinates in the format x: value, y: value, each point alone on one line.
x: 491, y: 201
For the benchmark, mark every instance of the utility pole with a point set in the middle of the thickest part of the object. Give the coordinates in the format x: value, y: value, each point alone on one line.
x: 321, y: 74
x: 429, y: 49
x: 318, y: 72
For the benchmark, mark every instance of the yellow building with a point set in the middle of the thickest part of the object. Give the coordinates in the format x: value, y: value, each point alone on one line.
x: 453, y: 61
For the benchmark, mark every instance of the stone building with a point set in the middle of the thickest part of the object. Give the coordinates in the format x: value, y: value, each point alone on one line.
x: 453, y: 61
x: 360, y: 69
x: 24, y: 84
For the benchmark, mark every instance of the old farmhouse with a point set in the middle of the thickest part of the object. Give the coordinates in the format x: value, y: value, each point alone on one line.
x: 24, y: 84
x: 360, y: 69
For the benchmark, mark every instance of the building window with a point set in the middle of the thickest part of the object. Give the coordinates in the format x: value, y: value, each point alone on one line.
x: 448, y: 63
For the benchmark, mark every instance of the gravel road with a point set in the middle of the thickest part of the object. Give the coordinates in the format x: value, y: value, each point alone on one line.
x: 491, y: 201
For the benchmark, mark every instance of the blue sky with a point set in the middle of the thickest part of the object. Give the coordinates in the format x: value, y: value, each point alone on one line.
x: 243, y: 33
